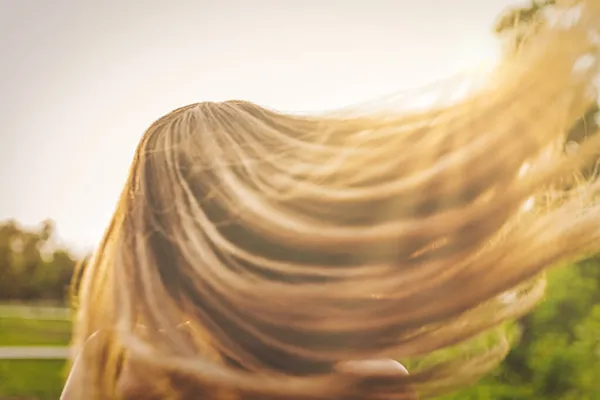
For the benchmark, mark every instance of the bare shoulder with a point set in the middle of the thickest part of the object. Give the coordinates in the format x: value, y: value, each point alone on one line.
x: 78, y: 383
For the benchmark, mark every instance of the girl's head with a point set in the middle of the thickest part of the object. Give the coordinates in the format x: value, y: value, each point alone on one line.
x: 253, y: 252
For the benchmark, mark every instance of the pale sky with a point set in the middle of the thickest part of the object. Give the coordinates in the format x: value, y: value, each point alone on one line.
x: 80, y: 80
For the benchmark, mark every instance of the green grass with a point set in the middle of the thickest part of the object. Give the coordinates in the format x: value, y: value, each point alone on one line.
x: 32, y: 379
x: 32, y: 332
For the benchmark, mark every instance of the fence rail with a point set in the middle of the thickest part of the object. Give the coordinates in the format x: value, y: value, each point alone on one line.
x: 34, y: 353
x: 18, y: 311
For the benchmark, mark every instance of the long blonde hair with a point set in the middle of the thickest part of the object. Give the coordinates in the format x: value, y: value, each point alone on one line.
x: 253, y: 250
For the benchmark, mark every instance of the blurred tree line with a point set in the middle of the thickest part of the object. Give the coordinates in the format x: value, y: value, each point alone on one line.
x: 32, y: 266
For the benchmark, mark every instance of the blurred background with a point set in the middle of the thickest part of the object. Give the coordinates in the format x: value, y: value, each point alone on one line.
x: 81, y: 80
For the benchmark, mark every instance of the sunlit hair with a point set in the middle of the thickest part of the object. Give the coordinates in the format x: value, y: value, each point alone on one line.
x: 253, y: 250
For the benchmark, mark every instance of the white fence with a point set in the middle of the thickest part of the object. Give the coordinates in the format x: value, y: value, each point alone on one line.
x: 33, y: 353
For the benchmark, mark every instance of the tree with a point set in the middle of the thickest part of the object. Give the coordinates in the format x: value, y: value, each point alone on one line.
x: 518, y: 28
x: 32, y: 267
x: 558, y: 357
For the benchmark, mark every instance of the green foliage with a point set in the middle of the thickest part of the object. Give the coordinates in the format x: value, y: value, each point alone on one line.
x: 31, y: 267
x: 558, y: 357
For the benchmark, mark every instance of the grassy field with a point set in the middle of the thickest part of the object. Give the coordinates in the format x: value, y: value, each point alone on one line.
x: 31, y: 332
x: 32, y: 379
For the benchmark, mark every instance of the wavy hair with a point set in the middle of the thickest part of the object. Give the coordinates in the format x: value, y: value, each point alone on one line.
x: 252, y: 251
